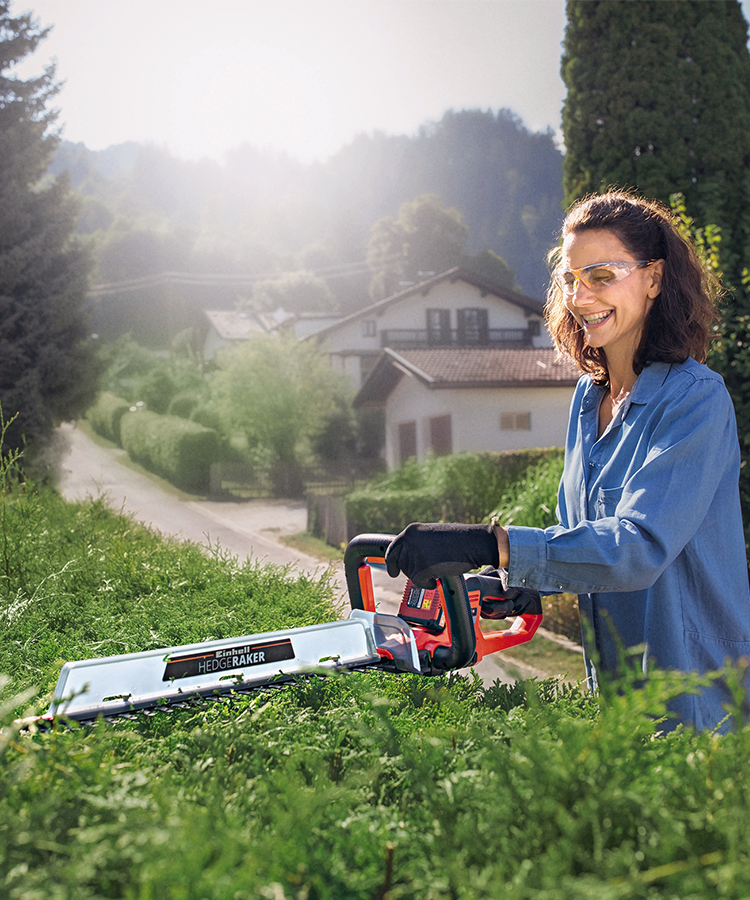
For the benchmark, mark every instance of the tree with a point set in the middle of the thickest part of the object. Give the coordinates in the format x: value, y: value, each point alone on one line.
x: 286, y: 400
x: 47, y: 370
x: 659, y: 100
x: 293, y: 291
x: 425, y: 237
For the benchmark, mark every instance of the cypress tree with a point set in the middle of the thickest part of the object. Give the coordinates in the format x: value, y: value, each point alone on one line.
x: 659, y: 100
x: 46, y: 359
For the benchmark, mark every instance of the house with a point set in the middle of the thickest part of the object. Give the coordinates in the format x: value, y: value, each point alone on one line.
x: 452, y: 400
x: 228, y: 327
x: 454, y: 309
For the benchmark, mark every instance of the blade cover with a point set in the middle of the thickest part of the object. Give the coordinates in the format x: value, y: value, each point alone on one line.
x: 116, y: 684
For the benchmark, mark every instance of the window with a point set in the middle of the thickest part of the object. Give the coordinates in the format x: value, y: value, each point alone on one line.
x: 473, y: 326
x: 515, y: 421
x: 438, y: 326
x: 440, y: 435
x: 368, y: 328
x: 407, y: 441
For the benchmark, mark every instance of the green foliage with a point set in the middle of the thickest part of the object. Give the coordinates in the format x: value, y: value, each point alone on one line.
x: 532, y: 500
x: 375, y: 786
x: 78, y: 581
x: 283, y: 396
x: 105, y: 415
x: 659, y: 99
x: 293, y: 291
x: 357, y: 786
x: 423, y: 237
x: 491, y: 267
x: 145, y: 376
x: 47, y: 370
x: 463, y: 487
x: 177, y: 449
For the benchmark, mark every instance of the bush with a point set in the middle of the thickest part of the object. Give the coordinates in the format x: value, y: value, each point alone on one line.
x: 177, y: 449
x: 463, y: 487
x: 106, y: 414
x: 360, y: 786
x: 79, y: 581
x: 532, y: 500
x: 184, y: 404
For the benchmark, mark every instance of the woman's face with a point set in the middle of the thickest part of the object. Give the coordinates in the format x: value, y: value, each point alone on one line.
x: 613, y: 315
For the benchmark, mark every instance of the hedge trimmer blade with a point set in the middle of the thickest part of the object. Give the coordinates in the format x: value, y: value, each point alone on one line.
x: 435, y: 632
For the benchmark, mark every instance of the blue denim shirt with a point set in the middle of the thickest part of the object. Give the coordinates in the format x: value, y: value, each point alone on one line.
x: 650, y: 533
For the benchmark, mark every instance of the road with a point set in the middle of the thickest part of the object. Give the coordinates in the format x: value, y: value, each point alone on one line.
x: 246, y: 529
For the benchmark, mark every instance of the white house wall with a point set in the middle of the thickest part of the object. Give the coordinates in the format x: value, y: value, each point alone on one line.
x: 411, y: 313
x: 475, y: 417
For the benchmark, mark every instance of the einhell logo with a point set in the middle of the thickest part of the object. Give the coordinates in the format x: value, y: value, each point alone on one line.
x: 225, y: 659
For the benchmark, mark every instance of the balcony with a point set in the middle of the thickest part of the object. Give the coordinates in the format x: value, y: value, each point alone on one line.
x: 422, y: 338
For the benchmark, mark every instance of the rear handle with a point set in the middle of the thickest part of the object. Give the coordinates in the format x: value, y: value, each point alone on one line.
x: 370, y: 548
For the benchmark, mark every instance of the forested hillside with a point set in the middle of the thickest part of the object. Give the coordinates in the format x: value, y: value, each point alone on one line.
x: 259, y: 213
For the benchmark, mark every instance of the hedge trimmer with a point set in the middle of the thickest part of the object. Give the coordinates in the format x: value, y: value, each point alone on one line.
x: 435, y: 631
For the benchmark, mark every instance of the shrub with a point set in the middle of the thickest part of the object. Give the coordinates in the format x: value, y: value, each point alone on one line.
x: 463, y: 487
x: 532, y: 500
x: 106, y: 414
x: 184, y: 404
x: 177, y: 449
x: 78, y: 581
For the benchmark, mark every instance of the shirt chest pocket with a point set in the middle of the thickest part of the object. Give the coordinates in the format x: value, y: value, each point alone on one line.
x: 606, y: 502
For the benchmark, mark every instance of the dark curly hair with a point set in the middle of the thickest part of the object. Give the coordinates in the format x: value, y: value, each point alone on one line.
x: 680, y: 322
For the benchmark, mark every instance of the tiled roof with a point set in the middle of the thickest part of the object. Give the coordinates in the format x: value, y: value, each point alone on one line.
x: 474, y: 365
x: 471, y: 367
x: 234, y: 326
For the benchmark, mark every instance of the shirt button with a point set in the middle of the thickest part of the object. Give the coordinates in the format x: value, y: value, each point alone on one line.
x: 523, y: 581
x: 559, y: 587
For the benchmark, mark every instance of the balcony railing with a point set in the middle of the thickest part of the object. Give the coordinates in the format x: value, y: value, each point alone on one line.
x: 420, y: 338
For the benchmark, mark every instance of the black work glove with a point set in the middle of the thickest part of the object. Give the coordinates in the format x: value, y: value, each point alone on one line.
x: 425, y: 552
x: 511, y: 601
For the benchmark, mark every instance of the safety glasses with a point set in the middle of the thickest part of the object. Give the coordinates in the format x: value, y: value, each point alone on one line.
x: 599, y: 275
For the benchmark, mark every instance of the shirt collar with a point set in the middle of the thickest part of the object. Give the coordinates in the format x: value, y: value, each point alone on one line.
x: 646, y: 385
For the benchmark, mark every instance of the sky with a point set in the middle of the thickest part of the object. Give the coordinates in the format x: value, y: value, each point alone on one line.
x: 303, y: 77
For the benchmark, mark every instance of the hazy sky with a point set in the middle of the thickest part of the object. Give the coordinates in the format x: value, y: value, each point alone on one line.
x: 200, y: 77
x: 302, y: 76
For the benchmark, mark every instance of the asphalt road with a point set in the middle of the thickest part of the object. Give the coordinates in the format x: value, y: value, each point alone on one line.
x: 247, y: 529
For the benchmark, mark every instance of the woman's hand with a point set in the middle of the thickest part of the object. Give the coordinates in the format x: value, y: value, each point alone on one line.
x: 427, y: 551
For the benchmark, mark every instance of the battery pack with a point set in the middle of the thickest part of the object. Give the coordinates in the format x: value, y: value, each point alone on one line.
x: 422, y: 607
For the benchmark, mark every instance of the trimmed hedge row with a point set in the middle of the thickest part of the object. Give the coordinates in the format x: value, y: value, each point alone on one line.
x: 177, y: 449
x: 464, y: 487
x: 105, y: 415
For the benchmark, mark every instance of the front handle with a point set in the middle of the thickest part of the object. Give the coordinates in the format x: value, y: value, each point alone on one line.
x: 370, y: 548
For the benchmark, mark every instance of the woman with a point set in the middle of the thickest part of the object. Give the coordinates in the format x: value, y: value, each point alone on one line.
x: 650, y: 534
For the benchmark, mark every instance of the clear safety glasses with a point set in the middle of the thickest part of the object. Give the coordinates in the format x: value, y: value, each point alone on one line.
x: 599, y: 275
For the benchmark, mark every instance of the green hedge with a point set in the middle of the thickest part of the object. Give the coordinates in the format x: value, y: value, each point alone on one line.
x: 177, y: 449
x: 105, y: 415
x: 464, y: 487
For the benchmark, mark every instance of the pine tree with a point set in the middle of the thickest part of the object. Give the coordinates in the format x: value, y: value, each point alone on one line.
x: 46, y: 359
